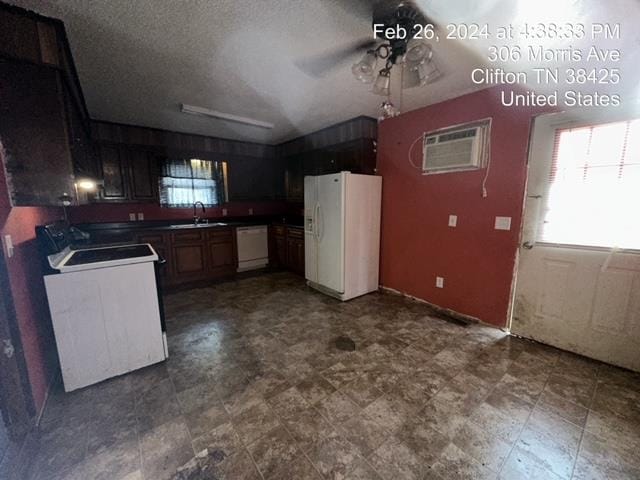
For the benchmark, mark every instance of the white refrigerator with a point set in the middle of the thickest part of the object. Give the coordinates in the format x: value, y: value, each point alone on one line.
x: 342, y: 233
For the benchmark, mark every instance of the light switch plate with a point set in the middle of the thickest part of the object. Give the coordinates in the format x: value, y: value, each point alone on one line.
x: 140, y: 216
x: 251, y: 211
x: 453, y: 220
x: 503, y: 223
x: 132, y: 217
x: 439, y: 282
x: 224, y: 212
x: 8, y: 245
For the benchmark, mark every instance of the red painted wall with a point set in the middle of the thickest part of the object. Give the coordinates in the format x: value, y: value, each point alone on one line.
x: 120, y: 212
x: 27, y: 289
x: 475, y: 260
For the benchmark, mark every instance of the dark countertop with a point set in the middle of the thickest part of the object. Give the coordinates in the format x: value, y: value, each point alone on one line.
x: 124, y: 229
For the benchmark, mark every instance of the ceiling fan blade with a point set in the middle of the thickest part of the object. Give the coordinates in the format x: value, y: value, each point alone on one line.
x: 322, y: 64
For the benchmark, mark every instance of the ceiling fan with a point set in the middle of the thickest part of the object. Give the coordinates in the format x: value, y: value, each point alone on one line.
x: 415, y: 56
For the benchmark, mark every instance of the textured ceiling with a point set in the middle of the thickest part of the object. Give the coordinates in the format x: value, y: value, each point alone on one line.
x: 138, y: 60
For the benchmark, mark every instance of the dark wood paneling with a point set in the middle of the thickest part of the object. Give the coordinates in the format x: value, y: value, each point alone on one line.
x: 176, y: 142
x: 19, y: 36
x: 354, y: 129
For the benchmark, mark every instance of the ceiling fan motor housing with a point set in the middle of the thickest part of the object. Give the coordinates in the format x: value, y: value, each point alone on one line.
x: 397, y: 17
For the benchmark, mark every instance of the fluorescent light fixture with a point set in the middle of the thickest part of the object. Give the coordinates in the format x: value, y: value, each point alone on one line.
x: 205, y: 112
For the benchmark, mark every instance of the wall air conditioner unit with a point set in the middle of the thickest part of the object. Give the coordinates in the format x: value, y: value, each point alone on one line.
x: 453, y: 150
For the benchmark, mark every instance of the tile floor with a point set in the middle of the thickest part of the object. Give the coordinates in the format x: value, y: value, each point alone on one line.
x: 256, y: 389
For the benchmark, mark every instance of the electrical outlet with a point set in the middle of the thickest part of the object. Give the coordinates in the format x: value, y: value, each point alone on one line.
x: 8, y: 245
x: 439, y: 282
x: 132, y: 217
x: 251, y: 211
x: 503, y: 223
x: 224, y: 212
x: 453, y: 220
x: 140, y: 216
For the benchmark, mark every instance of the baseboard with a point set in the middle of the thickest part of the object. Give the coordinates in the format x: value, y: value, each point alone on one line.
x: 447, y: 312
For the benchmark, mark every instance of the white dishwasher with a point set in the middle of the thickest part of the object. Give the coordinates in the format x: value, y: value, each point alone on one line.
x: 253, y: 247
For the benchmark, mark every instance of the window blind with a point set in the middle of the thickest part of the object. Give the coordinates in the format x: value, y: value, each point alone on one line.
x: 185, y: 181
x: 594, y: 187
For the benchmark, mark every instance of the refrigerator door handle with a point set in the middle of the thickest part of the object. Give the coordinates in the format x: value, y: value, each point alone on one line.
x: 316, y: 221
x: 319, y: 223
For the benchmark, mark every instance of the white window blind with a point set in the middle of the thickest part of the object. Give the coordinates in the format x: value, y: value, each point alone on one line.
x: 594, y: 187
x: 185, y: 181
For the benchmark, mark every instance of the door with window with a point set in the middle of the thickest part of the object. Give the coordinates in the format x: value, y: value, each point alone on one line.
x: 578, y: 282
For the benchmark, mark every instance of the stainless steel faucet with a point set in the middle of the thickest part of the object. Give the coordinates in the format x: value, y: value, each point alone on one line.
x: 196, y: 218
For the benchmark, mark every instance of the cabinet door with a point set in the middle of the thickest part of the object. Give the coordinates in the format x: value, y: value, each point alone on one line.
x: 297, y: 251
x: 221, y: 255
x: 82, y: 153
x: 252, y: 178
x: 143, y: 175
x: 189, y: 262
x: 113, y: 165
x: 159, y: 243
x: 281, y: 250
x: 294, y: 179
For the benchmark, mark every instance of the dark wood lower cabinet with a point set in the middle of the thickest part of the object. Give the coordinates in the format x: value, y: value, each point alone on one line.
x: 194, y: 255
x: 189, y: 262
x: 288, y: 245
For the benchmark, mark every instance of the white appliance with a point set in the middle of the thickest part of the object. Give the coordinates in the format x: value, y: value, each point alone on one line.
x: 342, y: 233
x: 253, y: 247
x: 454, y: 149
x: 105, y: 312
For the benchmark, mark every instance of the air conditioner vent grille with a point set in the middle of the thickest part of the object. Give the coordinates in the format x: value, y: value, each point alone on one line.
x: 455, y: 149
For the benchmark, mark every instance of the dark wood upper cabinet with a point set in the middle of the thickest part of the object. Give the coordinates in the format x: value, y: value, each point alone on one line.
x: 85, y: 162
x: 44, y: 128
x: 252, y: 178
x: 357, y: 156
x: 114, y: 173
x: 34, y: 135
x: 143, y: 175
x: 129, y: 174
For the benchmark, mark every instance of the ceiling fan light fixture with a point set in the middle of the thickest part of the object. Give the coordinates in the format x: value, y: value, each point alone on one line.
x: 364, y: 69
x: 418, y: 51
x: 383, y: 82
x: 427, y: 72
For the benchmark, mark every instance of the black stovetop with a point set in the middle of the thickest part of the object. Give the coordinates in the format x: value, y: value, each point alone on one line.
x: 94, y: 255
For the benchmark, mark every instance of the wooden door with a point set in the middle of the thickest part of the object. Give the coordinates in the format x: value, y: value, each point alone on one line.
x: 114, y: 171
x: 143, y: 178
x: 575, y: 297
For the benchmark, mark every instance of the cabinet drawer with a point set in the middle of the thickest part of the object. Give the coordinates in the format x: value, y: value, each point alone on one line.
x: 279, y: 230
x: 187, y: 237
x: 295, y: 232
x: 220, y: 235
x: 152, y: 238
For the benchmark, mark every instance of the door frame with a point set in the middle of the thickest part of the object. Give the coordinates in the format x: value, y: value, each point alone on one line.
x: 16, y: 399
